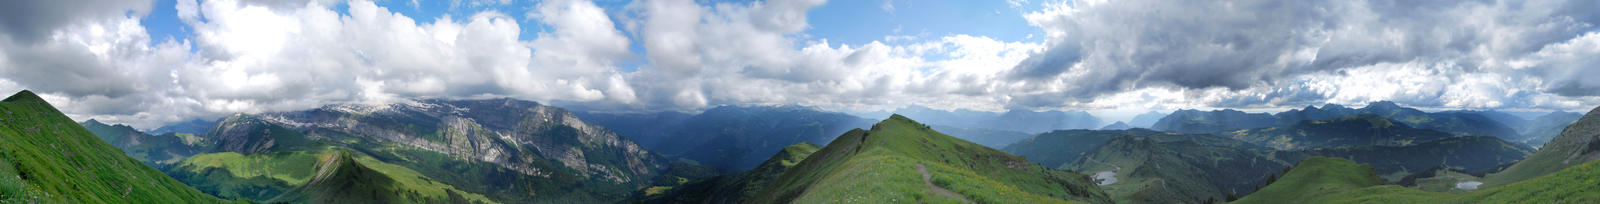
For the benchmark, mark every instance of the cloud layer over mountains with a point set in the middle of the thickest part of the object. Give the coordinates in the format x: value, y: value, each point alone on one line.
x: 97, y: 59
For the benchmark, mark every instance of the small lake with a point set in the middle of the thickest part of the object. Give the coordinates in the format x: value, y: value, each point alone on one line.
x: 1106, y: 177
x: 1468, y: 185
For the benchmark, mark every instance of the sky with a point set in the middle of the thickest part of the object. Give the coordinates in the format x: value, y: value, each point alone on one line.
x: 153, y: 62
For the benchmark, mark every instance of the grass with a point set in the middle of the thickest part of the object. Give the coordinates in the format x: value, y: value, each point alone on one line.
x: 1316, y: 179
x: 48, y: 158
x: 266, y: 177
x: 1444, y: 181
x: 724, y: 189
x: 878, y: 166
x: 1574, y: 146
x: 1327, y: 180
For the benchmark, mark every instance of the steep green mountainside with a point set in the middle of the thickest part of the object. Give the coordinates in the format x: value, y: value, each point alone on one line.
x: 733, y: 188
x: 900, y: 160
x: 1331, y: 180
x: 1454, y: 123
x: 47, y: 158
x: 1578, y: 143
x: 1143, y: 166
x: 509, y: 150
x: 1545, y: 128
x: 1357, y: 130
x: 735, y: 137
x: 331, y: 175
x: 1316, y: 179
x: 154, y: 150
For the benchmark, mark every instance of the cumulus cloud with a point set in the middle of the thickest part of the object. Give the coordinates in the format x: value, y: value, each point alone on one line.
x: 1103, y: 48
x: 271, y: 56
x: 267, y: 56
x: 98, y: 61
x: 1238, y: 43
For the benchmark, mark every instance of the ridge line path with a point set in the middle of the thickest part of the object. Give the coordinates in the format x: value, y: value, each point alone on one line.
x: 926, y: 179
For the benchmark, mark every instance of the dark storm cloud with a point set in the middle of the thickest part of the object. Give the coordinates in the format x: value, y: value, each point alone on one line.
x: 1125, y: 45
x: 30, y: 21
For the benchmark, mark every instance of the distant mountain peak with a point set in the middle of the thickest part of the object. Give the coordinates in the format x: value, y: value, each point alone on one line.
x: 1119, y: 125
x: 1384, y: 105
x: 92, y: 121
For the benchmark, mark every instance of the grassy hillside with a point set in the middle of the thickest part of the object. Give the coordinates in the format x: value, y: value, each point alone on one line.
x: 1159, y: 167
x: 154, y: 150
x: 47, y: 158
x: 900, y: 160
x: 1577, y: 144
x: 732, y: 188
x: 1145, y: 170
x: 321, y: 176
x: 1327, y: 180
x: 1316, y: 179
x: 1475, y: 154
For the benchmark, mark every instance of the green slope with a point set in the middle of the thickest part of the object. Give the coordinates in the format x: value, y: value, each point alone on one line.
x: 1545, y: 128
x: 900, y: 160
x: 1159, y: 167
x: 1316, y: 179
x: 154, y: 150
x: 1578, y: 144
x: 1327, y: 180
x: 330, y: 175
x: 1146, y: 170
x: 45, y: 157
x: 730, y: 188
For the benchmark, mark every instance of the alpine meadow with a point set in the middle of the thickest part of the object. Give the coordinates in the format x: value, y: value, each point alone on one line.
x: 799, y: 101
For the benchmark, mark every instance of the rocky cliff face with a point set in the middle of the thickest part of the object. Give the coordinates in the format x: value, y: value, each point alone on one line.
x: 514, y: 134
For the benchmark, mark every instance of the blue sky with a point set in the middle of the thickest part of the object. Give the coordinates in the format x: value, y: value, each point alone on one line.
x: 149, y: 62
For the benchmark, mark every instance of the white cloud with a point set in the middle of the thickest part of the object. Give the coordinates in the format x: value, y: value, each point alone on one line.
x: 251, y: 56
x: 271, y: 57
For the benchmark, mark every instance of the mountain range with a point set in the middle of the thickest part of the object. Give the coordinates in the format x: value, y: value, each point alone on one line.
x: 1475, y: 123
x: 514, y: 151
x: 507, y: 150
x: 154, y: 150
x: 1146, y: 166
x: 1561, y: 172
x: 732, y: 137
